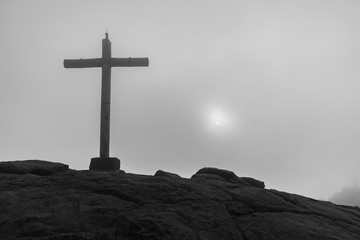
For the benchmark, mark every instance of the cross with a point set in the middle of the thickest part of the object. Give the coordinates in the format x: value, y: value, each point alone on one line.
x: 104, y: 162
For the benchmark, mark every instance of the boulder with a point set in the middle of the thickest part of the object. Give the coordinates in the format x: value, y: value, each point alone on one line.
x: 253, y: 182
x: 37, y: 167
x: 161, y: 173
x: 207, y: 176
x: 225, y: 174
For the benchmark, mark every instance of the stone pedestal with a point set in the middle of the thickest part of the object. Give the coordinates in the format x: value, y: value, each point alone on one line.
x: 105, y: 164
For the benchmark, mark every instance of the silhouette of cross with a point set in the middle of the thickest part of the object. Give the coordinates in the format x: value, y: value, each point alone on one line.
x: 104, y: 162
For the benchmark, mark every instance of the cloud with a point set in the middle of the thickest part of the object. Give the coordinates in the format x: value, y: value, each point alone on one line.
x: 347, y: 196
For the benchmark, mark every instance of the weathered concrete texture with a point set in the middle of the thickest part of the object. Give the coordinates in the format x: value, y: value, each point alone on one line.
x: 105, y: 164
x: 117, y: 205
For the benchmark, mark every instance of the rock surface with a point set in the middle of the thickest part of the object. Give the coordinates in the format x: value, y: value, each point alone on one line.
x: 37, y: 167
x: 118, y: 205
x: 229, y: 176
x: 161, y: 173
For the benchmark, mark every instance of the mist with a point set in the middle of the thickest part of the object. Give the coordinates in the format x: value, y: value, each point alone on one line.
x: 266, y: 89
x: 348, y: 196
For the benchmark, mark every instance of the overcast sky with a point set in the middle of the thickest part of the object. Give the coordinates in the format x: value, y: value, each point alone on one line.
x: 267, y: 89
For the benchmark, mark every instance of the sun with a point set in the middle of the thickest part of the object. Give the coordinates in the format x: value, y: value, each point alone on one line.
x: 218, y: 120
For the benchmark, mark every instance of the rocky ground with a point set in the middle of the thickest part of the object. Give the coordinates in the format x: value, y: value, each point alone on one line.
x: 43, y: 200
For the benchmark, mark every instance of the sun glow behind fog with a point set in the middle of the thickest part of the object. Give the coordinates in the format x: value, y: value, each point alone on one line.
x: 220, y: 122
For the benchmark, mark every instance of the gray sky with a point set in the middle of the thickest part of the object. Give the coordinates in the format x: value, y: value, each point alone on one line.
x: 267, y: 89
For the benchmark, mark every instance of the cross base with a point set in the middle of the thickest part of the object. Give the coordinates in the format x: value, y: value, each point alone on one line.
x: 105, y: 164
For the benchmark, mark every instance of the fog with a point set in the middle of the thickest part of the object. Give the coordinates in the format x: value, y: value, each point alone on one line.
x: 348, y: 196
x: 267, y: 89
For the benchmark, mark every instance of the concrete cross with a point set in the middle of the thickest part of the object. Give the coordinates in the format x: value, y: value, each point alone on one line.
x: 104, y: 162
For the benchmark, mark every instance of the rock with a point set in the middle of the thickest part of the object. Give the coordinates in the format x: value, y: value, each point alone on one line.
x: 253, y: 182
x: 161, y: 173
x: 207, y: 176
x: 113, y: 205
x: 229, y: 176
x: 225, y: 174
x: 37, y: 167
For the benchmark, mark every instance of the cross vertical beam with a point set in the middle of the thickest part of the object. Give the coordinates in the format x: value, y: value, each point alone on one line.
x: 104, y: 162
x: 105, y: 99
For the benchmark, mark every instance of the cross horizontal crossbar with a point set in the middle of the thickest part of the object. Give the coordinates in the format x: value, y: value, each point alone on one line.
x: 100, y: 62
